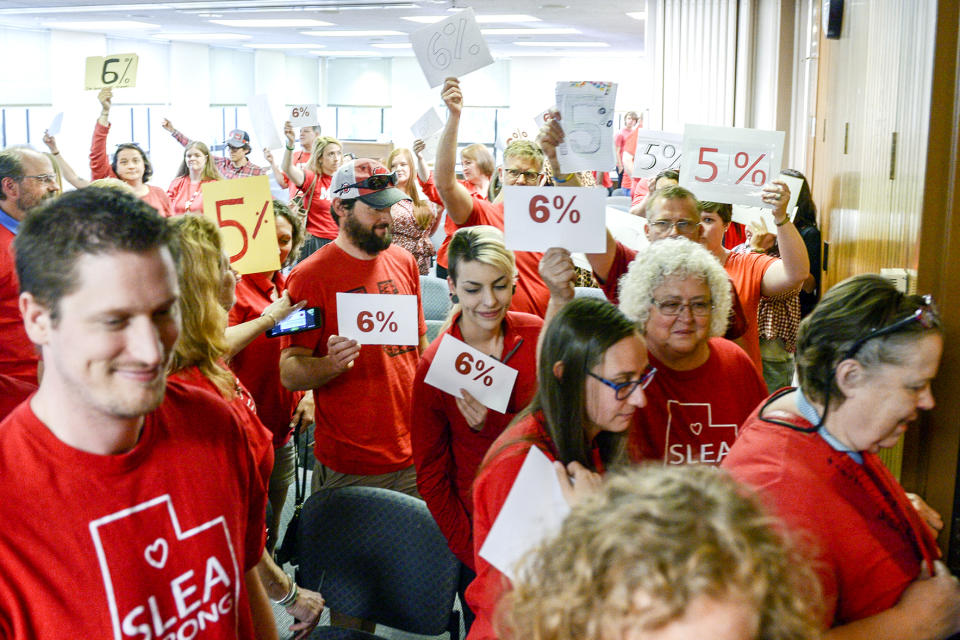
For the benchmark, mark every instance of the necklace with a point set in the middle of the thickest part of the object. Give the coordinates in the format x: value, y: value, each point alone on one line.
x: 193, y: 197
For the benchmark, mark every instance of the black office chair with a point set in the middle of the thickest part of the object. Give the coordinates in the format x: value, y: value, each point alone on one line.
x: 378, y: 555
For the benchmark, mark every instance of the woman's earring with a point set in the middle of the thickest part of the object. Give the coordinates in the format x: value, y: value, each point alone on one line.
x: 454, y: 298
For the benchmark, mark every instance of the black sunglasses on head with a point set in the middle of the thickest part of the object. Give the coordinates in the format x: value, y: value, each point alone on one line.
x: 376, y: 182
x: 926, y: 314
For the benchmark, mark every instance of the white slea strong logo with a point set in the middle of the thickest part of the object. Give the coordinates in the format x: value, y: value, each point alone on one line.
x: 692, y: 438
x: 164, y: 583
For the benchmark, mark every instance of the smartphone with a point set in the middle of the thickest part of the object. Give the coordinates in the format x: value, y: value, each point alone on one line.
x: 302, y: 320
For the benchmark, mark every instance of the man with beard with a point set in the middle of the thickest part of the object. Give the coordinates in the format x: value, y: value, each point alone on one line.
x: 26, y: 180
x: 362, y: 394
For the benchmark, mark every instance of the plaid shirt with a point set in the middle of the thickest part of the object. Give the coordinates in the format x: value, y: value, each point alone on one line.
x: 225, y: 165
x: 777, y: 316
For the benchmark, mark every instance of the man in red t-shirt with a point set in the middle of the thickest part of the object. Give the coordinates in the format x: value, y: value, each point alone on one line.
x: 361, y: 394
x: 130, y: 507
x: 26, y: 180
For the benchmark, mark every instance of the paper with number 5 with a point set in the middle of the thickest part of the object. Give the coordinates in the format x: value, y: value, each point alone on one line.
x: 452, y: 47
x: 456, y: 365
x: 537, y: 218
x: 378, y: 318
x: 656, y: 151
x: 243, y: 209
x: 730, y: 164
x: 586, y: 115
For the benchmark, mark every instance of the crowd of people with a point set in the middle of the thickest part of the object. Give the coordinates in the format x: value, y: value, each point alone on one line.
x: 147, y: 419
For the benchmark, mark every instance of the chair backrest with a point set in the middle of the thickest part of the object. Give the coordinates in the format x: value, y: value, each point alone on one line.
x: 588, y: 292
x: 381, y: 557
x: 436, y: 297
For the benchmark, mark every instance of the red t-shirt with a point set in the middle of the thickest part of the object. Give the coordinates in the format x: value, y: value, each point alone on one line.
x: 362, y: 415
x: 532, y: 295
x: 736, y: 235
x: 151, y: 543
x: 300, y: 159
x: 100, y: 167
x: 694, y: 416
x: 866, y: 540
x: 18, y: 356
x: 429, y: 189
x: 746, y: 270
x: 258, y: 364
x: 184, y: 194
x: 320, y: 221
x: 446, y: 450
x: 629, y: 146
x: 12, y: 393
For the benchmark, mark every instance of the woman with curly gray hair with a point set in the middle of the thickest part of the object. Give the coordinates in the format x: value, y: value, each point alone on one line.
x: 679, y: 297
x: 662, y: 554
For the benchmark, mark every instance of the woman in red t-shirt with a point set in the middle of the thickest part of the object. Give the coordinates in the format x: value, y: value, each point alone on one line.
x: 313, y: 180
x: 592, y: 371
x: 196, y: 169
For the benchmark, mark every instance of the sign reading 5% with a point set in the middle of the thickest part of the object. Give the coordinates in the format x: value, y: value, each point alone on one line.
x: 243, y: 209
x: 537, y: 218
x: 377, y: 318
x: 656, y: 151
x: 456, y: 365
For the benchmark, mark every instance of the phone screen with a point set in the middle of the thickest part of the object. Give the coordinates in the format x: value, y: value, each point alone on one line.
x: 302, y: 320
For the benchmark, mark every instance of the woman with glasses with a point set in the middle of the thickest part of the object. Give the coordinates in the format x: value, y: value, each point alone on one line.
x: 414, y: 220
x: 706, y: 385
x: 591, y: 373
x: 866, y: 357
x: 313, y: 181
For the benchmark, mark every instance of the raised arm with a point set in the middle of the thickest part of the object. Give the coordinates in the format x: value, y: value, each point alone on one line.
x: 549, y: 136
x: 278, y: 176
x: 179, y: 137
x: 99, y: 163
x: 794, y: 265
x: 456, y: 199
x: 294, y: 172
x: 240, y: 335
x: 65, y: 169
x: 423, y: 172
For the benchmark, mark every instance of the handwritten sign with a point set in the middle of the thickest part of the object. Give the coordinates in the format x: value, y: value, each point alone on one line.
x: 534, y: 509
x: 729, y: 164
x: 537, y: 218
x: 427, y: 124
x: 745, y: 214
x: 452, y: 47
x: 243, y: 209
x: 457, y: 365
x: 376, y: 318
x: 118, y: 71
x: 586, y: 115
x: 304, y: 115
x: 656, y: 151
x: 263, y: 122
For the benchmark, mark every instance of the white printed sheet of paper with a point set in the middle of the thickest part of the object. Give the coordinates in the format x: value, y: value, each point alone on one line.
x: 452, y: 47
x: 537, y: 218
x: 304, y: 115
x: 656, y: 151
x: 378, y: 318
x: 456, y: 365
x: 586, y: 115
x: 745, y: 214
x: 263, y: 123
x: 534, y: 509
x: 730, y: 164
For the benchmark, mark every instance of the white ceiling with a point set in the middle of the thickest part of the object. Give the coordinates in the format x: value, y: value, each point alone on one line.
x: 604, y: 21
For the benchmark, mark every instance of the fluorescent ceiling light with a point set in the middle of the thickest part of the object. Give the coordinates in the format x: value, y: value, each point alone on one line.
x: 488, y: 19
x: 637, y: 15
x: 561, y: 44
x: 88, y: 8
x: 100, y: 25
x: 273, y: 22
x: 283, y: 46
x: 348, y: 54
x: 393, y: 45
x: 561, y: 31
x: 352, y: 34
x: 569, y: 54
x: 203, y: 36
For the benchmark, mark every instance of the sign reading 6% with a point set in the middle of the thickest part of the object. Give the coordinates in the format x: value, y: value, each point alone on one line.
x: 457, y: 366
x: 365, y: 322
x: 378, y: 318
x: 118, y: 71
x: 540, y: 211
x: 466, y: 365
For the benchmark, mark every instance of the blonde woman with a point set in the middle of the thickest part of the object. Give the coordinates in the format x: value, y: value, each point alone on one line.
x: 414, y: 220
x: 196, y: 169
x: 313, y: 181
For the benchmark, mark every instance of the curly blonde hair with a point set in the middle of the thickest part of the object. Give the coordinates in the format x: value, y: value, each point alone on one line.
x: 668, y: 535
x: 674, y: 258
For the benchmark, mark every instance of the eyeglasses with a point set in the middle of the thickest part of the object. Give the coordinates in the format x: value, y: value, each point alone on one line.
x: 46, y: 178
x: 528, y: 176
x: 683, y: 227
x: 624, y: 389
x: 675, y: 307
x: 926, y: 314
x: 376, y: 182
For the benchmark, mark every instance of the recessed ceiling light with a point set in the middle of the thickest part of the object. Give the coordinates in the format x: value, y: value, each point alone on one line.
x: 637, y: 15
x: 561, y: 44
x: 283, y: 46
x: 203, y: 36
x: 561, y: 31
x: 352, y: 34
x: 100, y: 25
x: 393, y: 45
x: 273, y: 22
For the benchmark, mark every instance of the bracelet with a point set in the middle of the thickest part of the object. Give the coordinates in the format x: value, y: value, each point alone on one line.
x: 288, y: 148
x: 269, y: 315
x: 786, y: 219
x: 291, y: 596
x: 54, y: 153
x: 560, y: 180
x: 757, y: 251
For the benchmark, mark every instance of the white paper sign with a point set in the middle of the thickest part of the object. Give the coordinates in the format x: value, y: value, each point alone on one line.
x: 745, y: 214
x: 376, y: 318
x: 656, y: 151
x: 430, y: 147
x: 586, y: 115
x: 263, y: 122
x: 533, y: 510
x: 452, y: 47
x: 537, y: 218
x: 729, y: 164
x: 55, y: 125
x: 427, y: 124
x: 541, y: 118
x: 304, y: 115
x: 457, y: 365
